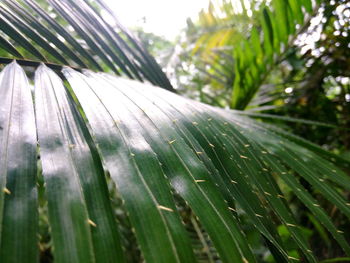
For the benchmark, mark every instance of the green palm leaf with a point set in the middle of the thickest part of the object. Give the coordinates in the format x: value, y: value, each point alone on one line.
x: 279, y: 21
x: 28, y: 24
x: 174, y: 162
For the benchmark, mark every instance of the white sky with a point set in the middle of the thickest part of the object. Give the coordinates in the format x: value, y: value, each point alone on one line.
x: 162, y: 17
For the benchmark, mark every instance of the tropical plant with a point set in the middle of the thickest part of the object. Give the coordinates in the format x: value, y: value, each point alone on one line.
x: 92, y: 161
x: 318, y: 78
x: 306, y: 78
x: 237, y: 44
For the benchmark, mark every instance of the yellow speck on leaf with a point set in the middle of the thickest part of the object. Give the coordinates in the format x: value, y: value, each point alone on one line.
x: 6, y: 191
x: 171, y: 142
x: 199, y: 181
x: 165, y: 208
x: 92, y: 223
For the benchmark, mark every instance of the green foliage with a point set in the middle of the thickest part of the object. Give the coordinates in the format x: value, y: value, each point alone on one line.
x: 256, y: 57
x: 308, y: 78
x: 206, y: 51
x: 312, y: 81
x: 52, y: 35
x: 107, y: 169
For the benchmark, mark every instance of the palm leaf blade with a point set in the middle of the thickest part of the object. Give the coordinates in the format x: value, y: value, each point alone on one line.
x: 136, y: 172
x: 4, y: 44
x: 105, y: 237
x: 224, y: 233
x: 32, y: 21
x: 66, y: 206
x: 14, y: 34
x: 133, y: 136
x: 18, y: 214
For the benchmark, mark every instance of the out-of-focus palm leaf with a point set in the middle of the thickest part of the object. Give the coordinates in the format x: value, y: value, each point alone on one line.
x: 279, y: 22
x: 257, y: 35
x: 93, y: 44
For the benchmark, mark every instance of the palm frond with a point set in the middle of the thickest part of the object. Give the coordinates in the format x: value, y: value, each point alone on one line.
x: 246, y: 41
x: 153, y: 144
x: 92, y: 43
x: 78, y: 142
x: 281, y: 23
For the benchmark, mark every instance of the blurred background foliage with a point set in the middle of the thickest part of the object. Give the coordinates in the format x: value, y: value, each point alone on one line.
x: 288, y: 58
x: 302, y: 73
